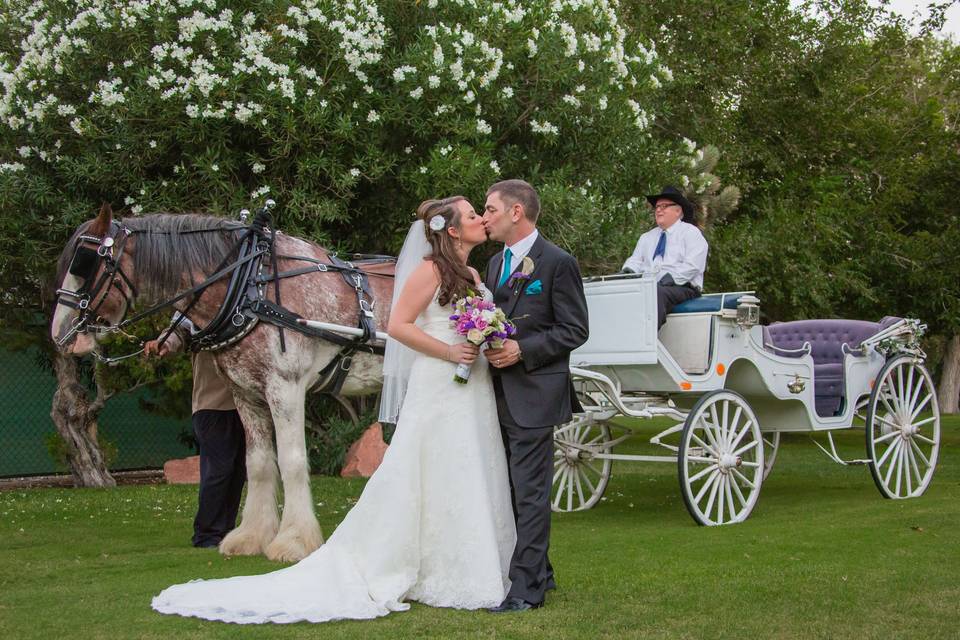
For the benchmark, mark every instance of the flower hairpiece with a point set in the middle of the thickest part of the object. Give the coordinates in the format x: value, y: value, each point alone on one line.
x: 437, y: 222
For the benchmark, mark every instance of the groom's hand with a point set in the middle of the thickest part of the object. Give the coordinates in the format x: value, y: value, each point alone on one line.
x: 507, y: 355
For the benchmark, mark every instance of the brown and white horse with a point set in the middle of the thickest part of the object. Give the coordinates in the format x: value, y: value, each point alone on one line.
x: 155, y: 257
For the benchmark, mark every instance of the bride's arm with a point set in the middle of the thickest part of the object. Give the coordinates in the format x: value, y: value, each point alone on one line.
x: 416, y: 295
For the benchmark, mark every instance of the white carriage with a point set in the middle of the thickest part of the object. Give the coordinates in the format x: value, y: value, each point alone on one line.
x: 734, y: 386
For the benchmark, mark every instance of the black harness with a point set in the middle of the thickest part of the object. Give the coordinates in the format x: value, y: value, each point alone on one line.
x: 245, y: 302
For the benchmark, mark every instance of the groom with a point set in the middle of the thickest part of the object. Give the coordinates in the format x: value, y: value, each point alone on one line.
x: 538, y: 286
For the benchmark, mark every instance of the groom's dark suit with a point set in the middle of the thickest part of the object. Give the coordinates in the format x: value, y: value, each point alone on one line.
x: 534, y: 395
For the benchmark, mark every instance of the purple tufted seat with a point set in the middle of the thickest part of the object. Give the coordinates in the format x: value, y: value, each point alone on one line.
x: 826, y: 338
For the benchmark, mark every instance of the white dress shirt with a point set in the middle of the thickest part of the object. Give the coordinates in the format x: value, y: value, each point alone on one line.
x: 519, y: 250
x: 684, y: 258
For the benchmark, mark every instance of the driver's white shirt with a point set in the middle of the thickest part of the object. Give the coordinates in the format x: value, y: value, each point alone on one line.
x: 684, y: 258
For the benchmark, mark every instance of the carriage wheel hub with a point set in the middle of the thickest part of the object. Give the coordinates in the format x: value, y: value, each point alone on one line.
x: 728, y: 461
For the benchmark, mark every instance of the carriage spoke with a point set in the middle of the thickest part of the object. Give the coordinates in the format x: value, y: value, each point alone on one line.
x: 706, y: 426
x: 886, y: 436
x: 592, y: 468
x: 713, y: 496
x: 595, y: 440
x: 920, y: 436
x: 749, y: 463
x: 717, y: 425
x: 746, y: 447
x: 900, y: 389
x: 900, y: 458
x: 556, y: 500
x: 920, y: 407
x: 701, y: 459
x: 887, y: 421
x: 883, y: 398
x: 703, y: 444
x: 893, y: 459
x: 886, y: 453
x: 734, y: 423
x: 912, y: 464
x: 736, y: 489
x: 925, y: 421
x: 702, y: 473
x: 916, y: 392
x: 590, y: 485
x: 580, y: 487
x: 731, y: 509
x: 706, y: 485
x: 742, y: 433
x: 722, y: 494
x: 570, y: 490
x: 919, y: 452
x: 908, y: 389
x: 746, y: 480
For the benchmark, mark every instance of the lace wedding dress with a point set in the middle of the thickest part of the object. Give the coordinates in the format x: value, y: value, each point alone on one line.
x: 434, y: 523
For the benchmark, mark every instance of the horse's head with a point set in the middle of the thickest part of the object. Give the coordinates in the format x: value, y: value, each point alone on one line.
x: 95, y: 288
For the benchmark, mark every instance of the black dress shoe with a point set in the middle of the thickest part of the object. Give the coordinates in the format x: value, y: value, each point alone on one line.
x: 515, y: 604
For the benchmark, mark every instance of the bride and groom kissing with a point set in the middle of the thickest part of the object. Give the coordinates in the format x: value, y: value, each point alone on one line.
x: 458, y: 513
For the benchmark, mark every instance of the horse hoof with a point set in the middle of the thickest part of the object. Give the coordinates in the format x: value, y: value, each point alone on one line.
x: 241, y: 543
x: 291, y: 546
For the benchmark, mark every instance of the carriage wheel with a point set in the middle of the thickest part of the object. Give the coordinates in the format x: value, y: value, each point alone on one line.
x: 771, y: 444
x: 579, y: 478
x: 721, y: 459
x: 903, y: 429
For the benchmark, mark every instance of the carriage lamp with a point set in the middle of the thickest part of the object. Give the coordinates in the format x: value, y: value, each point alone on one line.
x: 748, y: 311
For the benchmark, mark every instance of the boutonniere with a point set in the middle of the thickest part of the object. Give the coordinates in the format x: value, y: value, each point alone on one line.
x: 522, y: 274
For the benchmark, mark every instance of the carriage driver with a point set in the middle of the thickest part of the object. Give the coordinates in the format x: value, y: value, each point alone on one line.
x: 675, y: 251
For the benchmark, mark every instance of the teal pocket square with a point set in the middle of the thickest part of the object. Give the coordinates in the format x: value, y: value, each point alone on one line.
x: 534, y: 288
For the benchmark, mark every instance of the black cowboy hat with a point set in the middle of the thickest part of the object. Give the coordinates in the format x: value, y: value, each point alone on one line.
x: 673, y: 195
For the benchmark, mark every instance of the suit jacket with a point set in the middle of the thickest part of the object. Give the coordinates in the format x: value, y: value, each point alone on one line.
x: 550, y: 324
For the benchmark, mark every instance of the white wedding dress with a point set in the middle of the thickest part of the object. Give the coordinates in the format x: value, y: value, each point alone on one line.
x: 434, y: 523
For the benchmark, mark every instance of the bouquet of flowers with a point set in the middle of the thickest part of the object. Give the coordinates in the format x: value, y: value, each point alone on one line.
x: 481, y: 322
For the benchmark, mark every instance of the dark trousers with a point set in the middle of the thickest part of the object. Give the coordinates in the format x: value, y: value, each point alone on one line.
x: 669, y: 296
x: 223, y: 471
x: 530, y: 463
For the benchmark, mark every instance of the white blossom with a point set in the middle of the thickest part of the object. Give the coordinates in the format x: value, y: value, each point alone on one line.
x: 483, y: 127
x: 258, y: 167
x: 544, y: 127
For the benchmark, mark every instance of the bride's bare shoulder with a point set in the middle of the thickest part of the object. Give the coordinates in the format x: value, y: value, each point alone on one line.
x: 476, y: 275
x: 425, y: 273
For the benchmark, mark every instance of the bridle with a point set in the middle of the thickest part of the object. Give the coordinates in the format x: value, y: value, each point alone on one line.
x: 90, y: 253
x: 245, y: 302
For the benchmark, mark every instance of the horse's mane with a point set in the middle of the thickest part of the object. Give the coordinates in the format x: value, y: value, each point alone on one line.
x: 168, y: 246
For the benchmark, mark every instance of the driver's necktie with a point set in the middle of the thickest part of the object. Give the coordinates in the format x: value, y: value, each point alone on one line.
x: 661, y: 246
x: 507, y: 258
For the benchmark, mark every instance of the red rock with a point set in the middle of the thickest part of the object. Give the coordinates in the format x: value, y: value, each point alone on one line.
x: 182, y: 471
x: 366, y: 454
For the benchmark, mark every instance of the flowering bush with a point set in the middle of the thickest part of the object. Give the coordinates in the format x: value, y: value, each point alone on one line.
x: 347, y: 113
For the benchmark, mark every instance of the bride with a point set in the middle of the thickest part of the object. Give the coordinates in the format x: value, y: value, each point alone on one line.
x: 434, y: 523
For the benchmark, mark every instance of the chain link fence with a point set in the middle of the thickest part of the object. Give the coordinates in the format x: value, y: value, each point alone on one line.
x: 140, y: 440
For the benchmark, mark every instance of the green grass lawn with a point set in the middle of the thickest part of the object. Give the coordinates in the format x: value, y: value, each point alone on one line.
x: 822, y: 556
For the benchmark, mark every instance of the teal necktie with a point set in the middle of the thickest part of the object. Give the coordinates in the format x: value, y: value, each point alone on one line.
x: 507, y: 257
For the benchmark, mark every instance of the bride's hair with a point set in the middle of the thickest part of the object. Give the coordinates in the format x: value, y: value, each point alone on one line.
x: 455, y: 277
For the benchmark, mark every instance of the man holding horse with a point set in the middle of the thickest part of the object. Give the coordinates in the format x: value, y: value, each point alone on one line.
x: 219, y: 434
